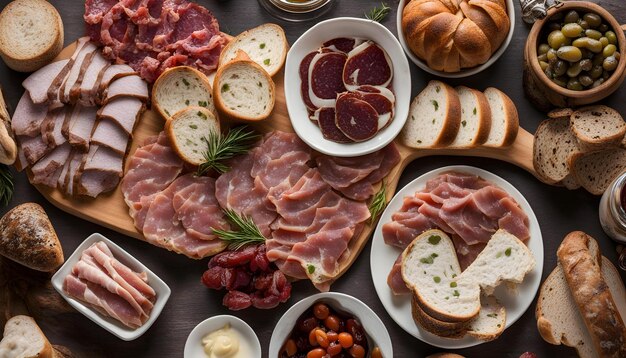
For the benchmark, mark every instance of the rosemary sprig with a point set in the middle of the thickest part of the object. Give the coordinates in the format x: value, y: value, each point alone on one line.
x: 378, y: 14
x: 222, y: 147
x: 6, y: 185
x: 379, y: 202
x: 247, y: 233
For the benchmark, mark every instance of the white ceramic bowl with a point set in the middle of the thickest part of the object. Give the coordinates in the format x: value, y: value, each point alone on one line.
x: 193, y: 345
x: 373, y: 326
x: 510, y: 9
x: 311, y: 41
x: 108, y: 323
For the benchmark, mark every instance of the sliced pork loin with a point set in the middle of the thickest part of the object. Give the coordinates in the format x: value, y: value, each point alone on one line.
x: 100, y: 171
x: 48, y: 169
x: 52, y: 127
x: 112, y: 73
x: 79, y: 126
x: 86, y: 91
x: 54, y: 90
x: 109, y: 134
x: 125, y: 111
x: 77, y: 72
x: 132, y: 86
x: 37, y: 84
x: 31, y: 149
x: 28, y: 116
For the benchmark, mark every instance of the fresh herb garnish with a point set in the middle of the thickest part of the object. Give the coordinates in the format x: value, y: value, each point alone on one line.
x: 378, y: 13
x: 222, y: 147
x: 310, y: 269
x: 246, y: 232
x: 6, y: 185
x: 379, y: 202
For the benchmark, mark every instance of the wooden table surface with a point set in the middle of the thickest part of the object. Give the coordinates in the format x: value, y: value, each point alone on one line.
x: 558, y: 210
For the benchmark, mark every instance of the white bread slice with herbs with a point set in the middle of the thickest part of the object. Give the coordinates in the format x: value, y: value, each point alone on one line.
x: 504, y: 119
x: 553, y: 150
x: 186, y: 131
x: 475, y: 118
x: 243, y: 90
x: 435, y: 326
x: 491, y: 320
x: 596, y: 170
x: 265, y: 44
x: 434, y: 117
x: 180, y: 87
x: 23, y: 338
x: 597, y: 127
x: 31, y: 34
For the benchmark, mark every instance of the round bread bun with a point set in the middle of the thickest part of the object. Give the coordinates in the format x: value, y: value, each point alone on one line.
x: 31, y: 34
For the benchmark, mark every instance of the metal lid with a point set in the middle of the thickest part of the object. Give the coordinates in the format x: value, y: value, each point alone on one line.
x: 533, y: 10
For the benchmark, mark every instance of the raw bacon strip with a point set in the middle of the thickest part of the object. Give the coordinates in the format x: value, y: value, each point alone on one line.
x: 367, y: 64
x: 137, y: 280
x: 355, y: 118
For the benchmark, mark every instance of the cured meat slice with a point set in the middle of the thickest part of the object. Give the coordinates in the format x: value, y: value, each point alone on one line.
x: 326, y: 120
x: 28, y: 116
x: 125, y: 111
x: 342, y: 44
x: 52, y: 125
x: 48, y: 169
x: 31, y: 149
x: 304, y: 78
x: 66, y: 180
x: 367, y: 64
x: 86, y: 92
x: 325, y: 81
x: 100, y: 172
x: 109, y: 134
x: 53, y: 91
x: 77, y: 72
x: 115, y: 268
x: 132, y: 86
x: 112, y: 73
x: 79, y: 125
x: 37, y: 84
x: 382, y: 99
x: 357, y: 119
x: 395, y: 280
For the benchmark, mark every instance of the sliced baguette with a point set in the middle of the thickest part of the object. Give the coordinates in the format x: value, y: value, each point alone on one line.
x: 553, y: 148
x: 490, y: 322
x: 186, y: 130
x: 243, y: 90
x: 596, y: 170
x: 266, y: 45
x: 434, y: 117
x: 504, y: 119
x: 31, y: 34
x: 597, y: 127
x: 180, y: 87
x: 23, y: 338
x: 475, y: 118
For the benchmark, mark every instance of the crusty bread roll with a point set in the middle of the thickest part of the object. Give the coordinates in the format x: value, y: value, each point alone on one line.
x: 452, y: 35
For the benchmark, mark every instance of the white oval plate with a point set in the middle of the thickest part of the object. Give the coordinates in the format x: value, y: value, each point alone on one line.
x: 311, y: 41
x: 373, y: 326
x: 193, y: 345
x: 383, y: 257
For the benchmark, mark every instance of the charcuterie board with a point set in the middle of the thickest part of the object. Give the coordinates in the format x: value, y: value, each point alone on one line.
x: 110, y: 210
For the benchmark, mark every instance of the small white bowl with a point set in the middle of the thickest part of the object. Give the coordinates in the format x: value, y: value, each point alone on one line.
x: 193, y: 345
x: 108, y: 323
x: 510, y: 9
x: 311, y: 41
x: 373, y: 326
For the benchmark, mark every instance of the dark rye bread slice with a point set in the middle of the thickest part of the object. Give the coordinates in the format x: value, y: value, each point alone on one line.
x: 596, y: 170
x: 560, y: 113
x: 553, y: 147
x: 597, y: 127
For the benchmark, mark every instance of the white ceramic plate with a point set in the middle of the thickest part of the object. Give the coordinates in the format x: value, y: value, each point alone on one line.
x: 383, y: 257
x: 311, y: 41
x: 374, y: 327
x: 108, y: 323
x: 193, y: 345
x: 510, y: 9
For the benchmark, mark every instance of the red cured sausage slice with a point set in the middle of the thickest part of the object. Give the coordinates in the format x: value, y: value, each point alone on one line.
x: 325, y: 80
x: 357, y: 119
x: 367, y: 64
x: 381, y: 99
x: 304, y: 78
x: 325, y: 118
x: 342, y: 44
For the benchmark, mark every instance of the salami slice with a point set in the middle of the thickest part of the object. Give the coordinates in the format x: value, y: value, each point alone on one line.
x: 325, y: 118
x: 342, y: 44
x: 356, y: 118
x: 367, y: 64
x: 382, y: 100
x: 304, y: 78
x: 325, y: 78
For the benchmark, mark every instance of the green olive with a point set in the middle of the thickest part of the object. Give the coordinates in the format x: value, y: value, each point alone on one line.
x: 596, y: 72
x: 609, y: 50
x: 597, y: 59
x: 594, y: 34
x: 584, y: 24
x: 574, y: 69
x: 585, y: 80
x: 543, y: 57
x: 571, y: 16
x: 556, y: 39
x: 610, y: 63
x: 588, y: 43
x: 597, y: 82
x: 606, y: 74
x: 593, y: 20
x: 586, y: 64
x: 553, y: 26
x: 604, y: 41
x: 560, y: 68
x: 610, y: 35
x: 561, y: 81
x: 549, y: 72
x: 603, y: 28
x: 544, y: 65
x: 569, y: 53
x: 543, y: 48
x: 552, y: 55
x: 574, y: 85
x: 572, y: 30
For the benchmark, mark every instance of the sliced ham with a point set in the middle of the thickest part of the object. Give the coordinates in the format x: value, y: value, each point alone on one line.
x: 28, y: 116
x: 77, y: 72
x: 37, y: 84
x: 367, y: 64
x: 86, y: 93
x: 52, y: 127
x: 31, y: 149
x: 135, y: 279
x: 125, y: 111
x: 112, y: 73
x: 53, y: 92
x: 132, y: 86
x: 79, y: 126
x: 100, y: 171
x: 109, y: 134
x: 48, y: 169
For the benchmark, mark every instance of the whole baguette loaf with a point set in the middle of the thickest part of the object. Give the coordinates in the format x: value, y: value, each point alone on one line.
x: 592, y: 295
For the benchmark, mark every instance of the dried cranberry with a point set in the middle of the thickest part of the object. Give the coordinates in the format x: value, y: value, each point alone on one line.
x: 236, y: 300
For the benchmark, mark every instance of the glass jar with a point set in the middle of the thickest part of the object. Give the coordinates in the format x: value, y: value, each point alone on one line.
x: 297, y: 10
x: 613, y: 213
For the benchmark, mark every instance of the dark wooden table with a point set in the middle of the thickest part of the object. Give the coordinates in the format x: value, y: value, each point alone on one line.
x: 558, y: 210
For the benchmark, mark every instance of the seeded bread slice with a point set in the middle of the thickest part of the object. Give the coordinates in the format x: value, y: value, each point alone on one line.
x: 553, y: 147
x: 266, y: 45
x: 504, y: 119
x: 434, y: 117
x: 597, y: 127
x: 187, y: 130
x: 180, y: 87
x: 596, y: 170
x: 475, y: 118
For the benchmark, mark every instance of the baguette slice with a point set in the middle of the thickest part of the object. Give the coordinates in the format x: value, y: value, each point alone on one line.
x: 475, y: 118
x: 186, y: 130
x: 266, y: 45
x: 490, y: 322
x: 31, y: 34
x: 434, y: 117
x: 243, y: 90
x: 504, y: 119
x: 24, y: 338
x: 597, y: 127
x: 553, y: 149
x: 596, y: 170
x: 180, y: 87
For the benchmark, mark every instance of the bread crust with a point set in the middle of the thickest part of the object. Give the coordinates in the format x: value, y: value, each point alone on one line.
x: 453, y: 118
x: 560, y: 113
x: 511, y: 118
x: 590, y: 144
x: 440, y: 328
x: 169, y: 129
x: 591, y: 293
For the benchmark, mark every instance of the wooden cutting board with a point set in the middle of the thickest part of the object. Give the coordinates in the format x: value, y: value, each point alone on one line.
x: 110, y: 210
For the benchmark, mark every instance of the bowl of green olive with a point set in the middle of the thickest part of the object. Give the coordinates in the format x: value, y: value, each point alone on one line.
x: 574, y: 55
